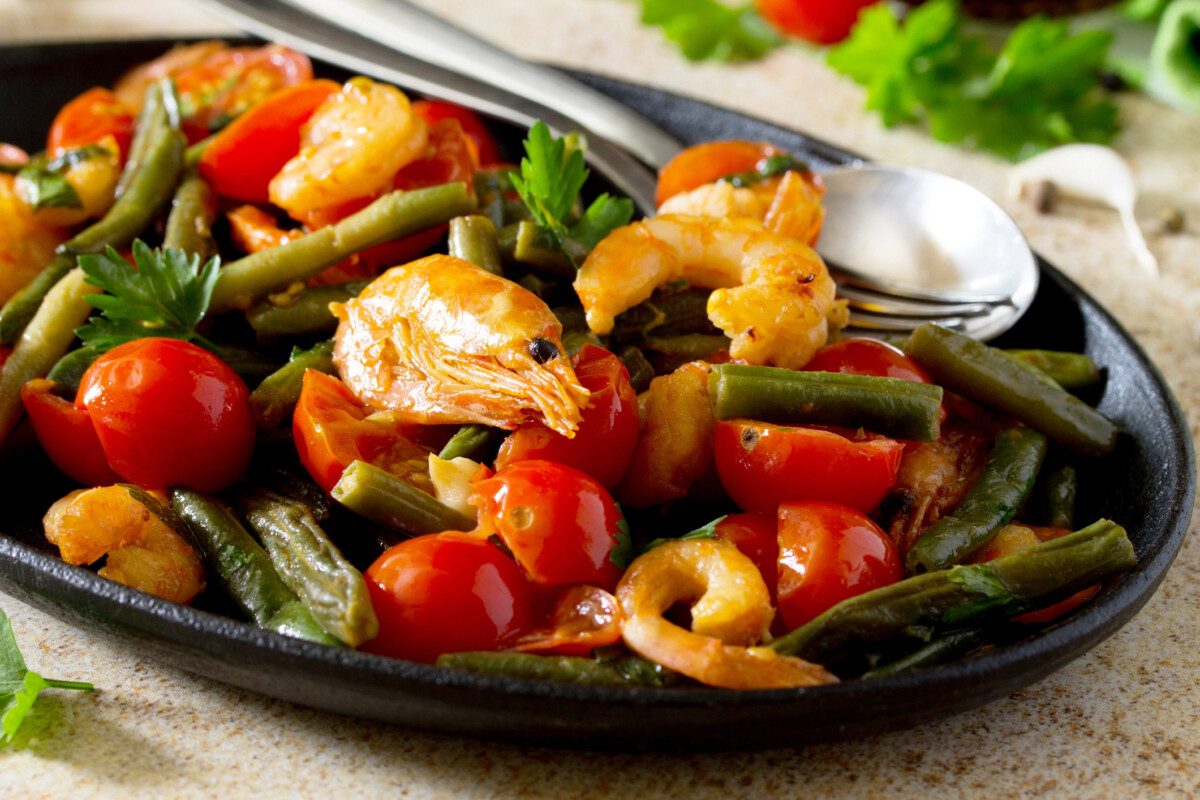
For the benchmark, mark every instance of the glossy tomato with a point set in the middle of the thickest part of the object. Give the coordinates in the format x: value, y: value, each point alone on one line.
x: 89, y: 118
x: 333, y: 429
x: 607, y: 435
x: 819, y: 21
x: 763, y: 465
x: 445, y: 593
x: 573, y: 620
x: 755, y: 535
x: 560, y: 524
x: 167, y: 412
x: 66, y: 435
x: 433, y: 111
x: 828, y: 553
x: 869, y: 357
x: 708, y: 162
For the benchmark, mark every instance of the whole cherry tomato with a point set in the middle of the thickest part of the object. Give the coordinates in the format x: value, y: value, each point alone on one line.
x: 869, y: 357
x: 820, y: 21
x: 167, y: 412
x: 66, y: 434
x: 756, y: 536
x: 560, y: 524
x: 433, y: 111
x: 445, y: 593
x: 708, y: 162
x: 828, y: 553
x: 333, y: 429
x: 607, y: 435
x: 763, y: 465
x: 89, y: 118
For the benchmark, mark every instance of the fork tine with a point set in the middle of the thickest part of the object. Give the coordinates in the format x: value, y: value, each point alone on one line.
x: 884, y: 323
x: 880, y: 303
x: 849, y: 277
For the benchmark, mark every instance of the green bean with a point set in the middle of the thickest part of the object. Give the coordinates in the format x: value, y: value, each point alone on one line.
x: 966, y: 596
x: 640, y: 370
x: 990, y: 378
x: 69, y: 369
x: 1069, y: 370
x: 273, y: 400
x: 529, y: 243
x: 291, y: 480
x: 44, y: 341
x: 243, y: 568
x: 496, y: 191
x: 888, y: 406
x: 311, y: 566
x: 306, y: 314
x: 152, y: 118
x: 665, y: 314
x: 1008, y: 478
x: 250, y: 365
x: 195, y: 152
x: 949, y: 646
x: 473, y: 238
x: 1055, y: 493
x: 471, y: 441
x: 562, y: 669
x: 687, y: 347
x: 395, y: 504
x: 193, y: 211
x: 392, y: 216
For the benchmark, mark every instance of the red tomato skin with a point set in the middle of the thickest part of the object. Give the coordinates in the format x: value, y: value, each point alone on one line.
x: 606, y: 438
x: 89, y: 118
x: 800, y: 463
x: 755, y: 535
x: 12, y: 155
x: 67, y: 435
x: 819, y: 21
x: 433, y: 111
x: 829, y: 553
x: 559, y: 523
x: 708, y: 162
x: 445, y: 593
x: 869, y: 357
x: 168, y: 412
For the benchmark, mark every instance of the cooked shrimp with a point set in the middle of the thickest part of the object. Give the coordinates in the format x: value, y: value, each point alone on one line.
x: 26, y: 244
x: 731, y: 610
x: 440, y: 340
x: 143, y: 552
x: 774, y: 297
x: 351, y: 148
x: 789, y: 204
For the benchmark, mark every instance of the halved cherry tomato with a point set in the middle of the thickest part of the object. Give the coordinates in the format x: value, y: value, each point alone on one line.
x: 607, y: 435
x: 763, y: 465
x: 828, y: 553
x: 333, y: 429
x: 705, y: 163
x: 756, y: 536
x: 560, y: 524
x: 168, y: 412
x: 66, y: 435
x: 1018, y: 537
x: 433, y: 111
x: 574, y: 621
x: 89, y: 118
x: 819, y: 21
x: 445, y: 593
x: 241, y: 160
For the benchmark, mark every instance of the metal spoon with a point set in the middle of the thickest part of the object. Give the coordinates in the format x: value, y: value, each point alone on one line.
x: 908, y: 246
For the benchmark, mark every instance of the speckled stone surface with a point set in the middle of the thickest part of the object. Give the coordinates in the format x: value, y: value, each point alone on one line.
x: 1120, y: 722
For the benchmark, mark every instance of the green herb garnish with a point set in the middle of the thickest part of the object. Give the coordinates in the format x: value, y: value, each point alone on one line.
x: 709, y: 29
x: 20, y: 686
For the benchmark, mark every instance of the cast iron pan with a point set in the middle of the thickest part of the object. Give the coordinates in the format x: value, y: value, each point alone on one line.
x: 1146, y: 485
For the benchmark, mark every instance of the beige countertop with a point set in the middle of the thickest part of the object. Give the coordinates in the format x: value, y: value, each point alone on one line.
x: 1119, y: 722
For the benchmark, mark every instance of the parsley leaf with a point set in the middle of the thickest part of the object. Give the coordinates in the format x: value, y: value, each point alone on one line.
x: 1039, y: 91
x: 708, y: 531
x: 709, y: 29
x: 552, y: 175
x: 166, y: 295
x: 42, y: 187
x: 993, y: 595
x: 623, y: 554
x: 20, y: 686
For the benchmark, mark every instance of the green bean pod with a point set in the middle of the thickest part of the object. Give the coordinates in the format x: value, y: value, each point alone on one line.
x: 395, y: 504
x: 1056, y: 491
x: 966, y: 596
x: 887, y: 406
x: 471, y: 441
x: 193, y: 211
x: 991, y: 378
x: 273, y: 400
x: 665, y: 315
x: 949, y: 646
x: 68, y: 371
x: 311, y: 566
x: 640, y: 370
x: 243, y: 568
x: 473, y: 238
x: 306, y: 314
x: 1007, y: 480
x: 561, y: 669
x: 1071, y: 371
x: 392, y: 216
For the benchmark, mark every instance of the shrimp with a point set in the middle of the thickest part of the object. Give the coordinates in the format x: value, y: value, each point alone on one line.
x: 730, y: 609
x: 440, y: 340
x: 789, y: 204
x: 351, y: 148
x: 26, y: 243
x: 143, y: 552
x: 774, y: 297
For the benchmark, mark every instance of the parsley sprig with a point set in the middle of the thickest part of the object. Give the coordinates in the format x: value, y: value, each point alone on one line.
x: 552, y: 175
x: 167, y: 294
x: 625, y: 551
x: 709, y: 29
x: 19, y: 685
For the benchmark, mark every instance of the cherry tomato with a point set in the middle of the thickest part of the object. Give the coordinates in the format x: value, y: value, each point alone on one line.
x: 828, y: 553
x: 66, y: 435
x: 445, y: 593
x: 332, y: 431
x: 11, y: 155
x: 433, y: 111
x: 89, y: 118
x: 607, y: 435
x: 448, y: 159
x: 867, y: 357
x: 241, y: 160
x: 705, y: 163
x: 573, y: 621
x: 819, y: 21
x: 1018, y: 537
x: 168, y: 412
x: 755, y: 535
x: 763, y: 465
x: 560, y: 524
